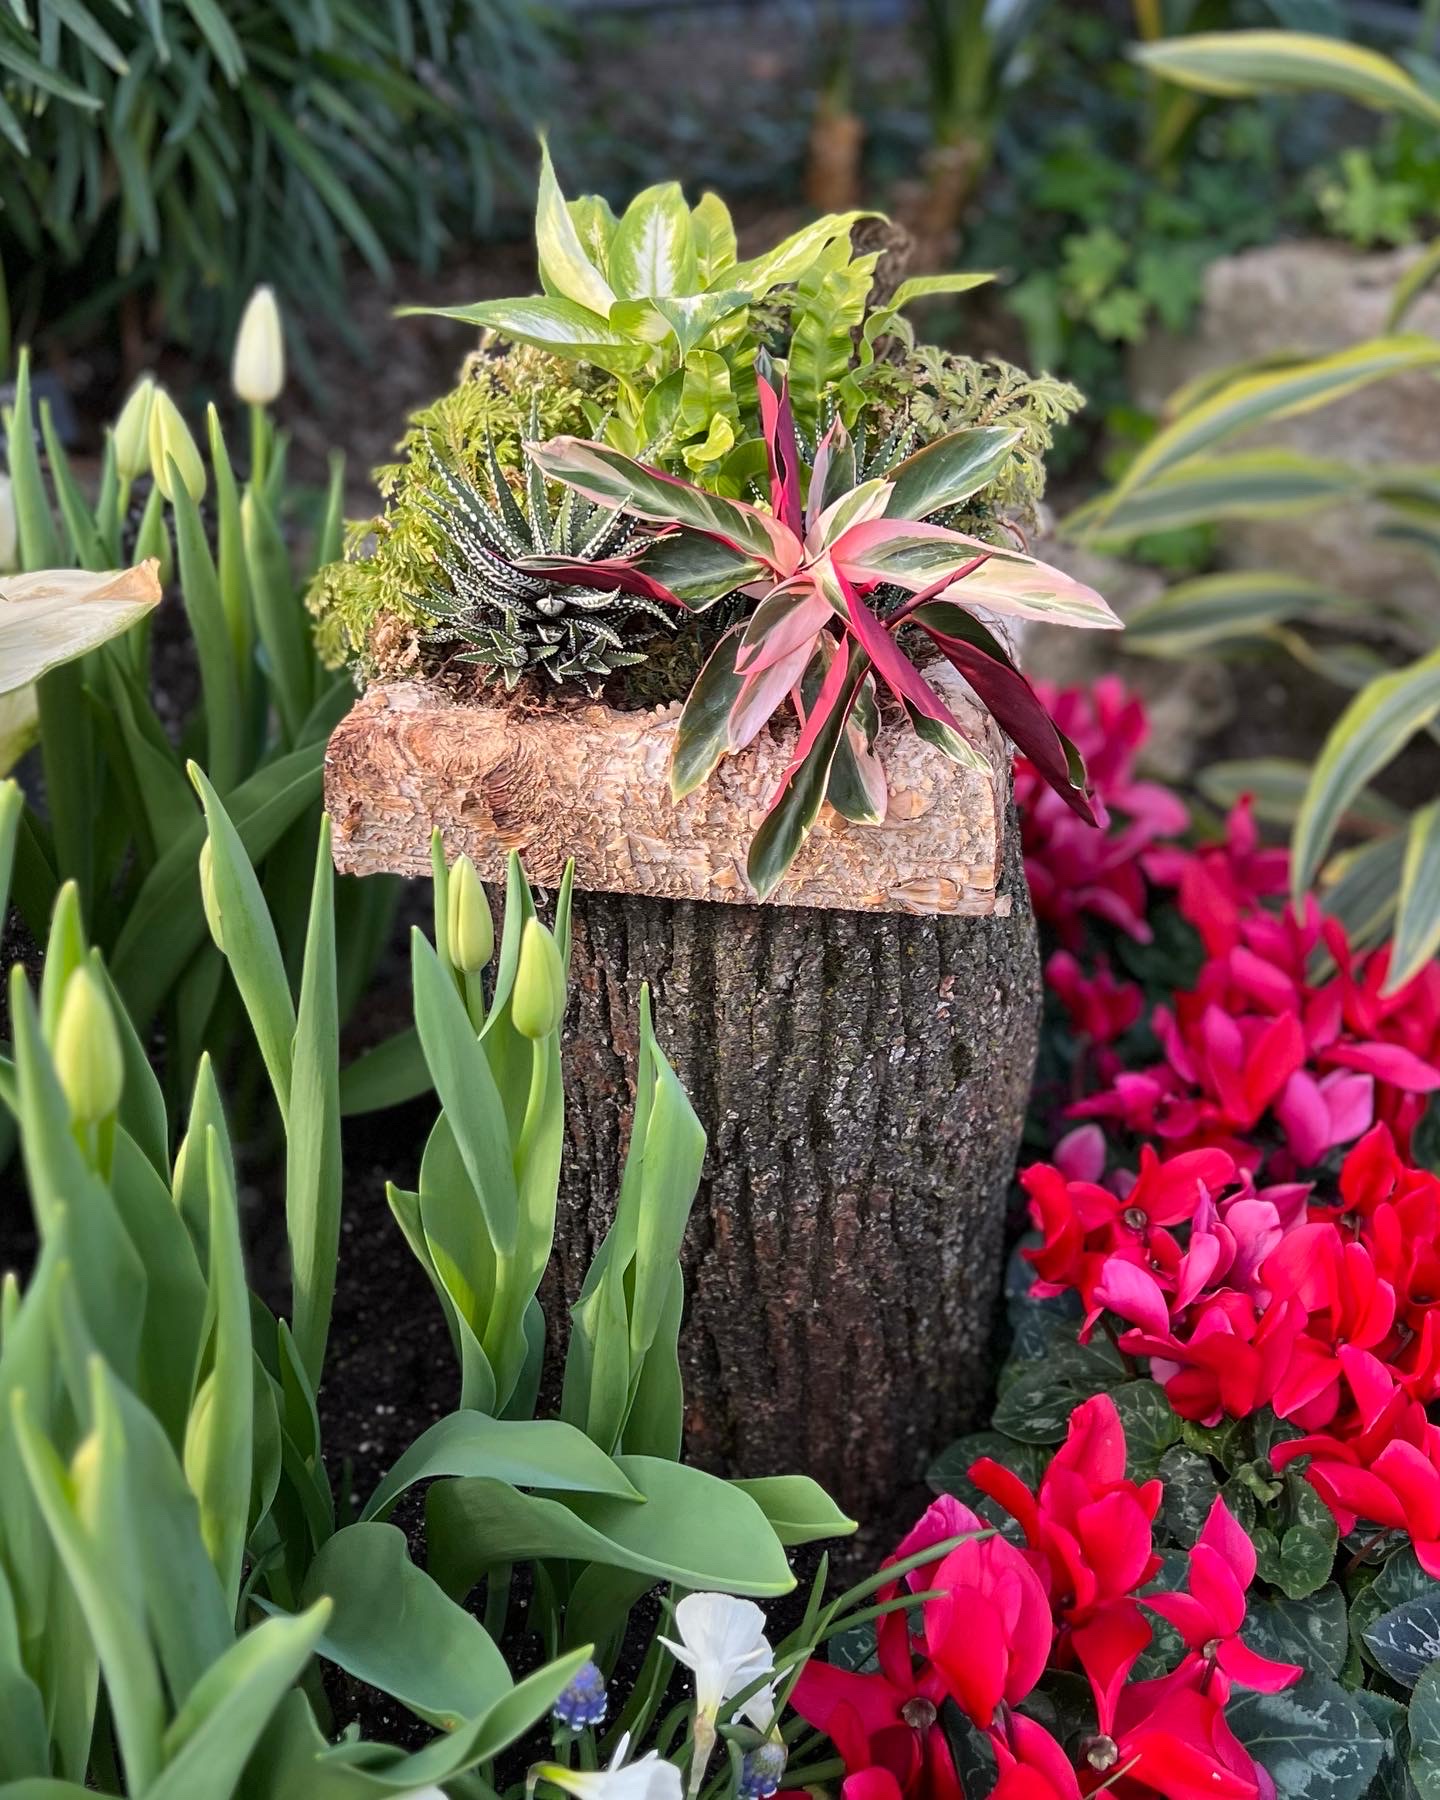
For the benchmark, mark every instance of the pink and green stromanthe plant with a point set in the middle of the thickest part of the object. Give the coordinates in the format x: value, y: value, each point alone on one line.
x: 820, y: 571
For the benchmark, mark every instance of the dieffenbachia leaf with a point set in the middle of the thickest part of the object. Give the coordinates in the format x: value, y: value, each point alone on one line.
x: 564, y: 266
x: 550, y: 323
x: 652, y: 252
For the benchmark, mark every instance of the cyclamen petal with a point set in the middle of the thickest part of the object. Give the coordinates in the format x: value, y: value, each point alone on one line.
x: 1134, y: 1294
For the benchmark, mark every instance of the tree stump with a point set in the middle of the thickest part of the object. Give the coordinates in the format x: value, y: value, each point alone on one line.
x: 862, y: 1067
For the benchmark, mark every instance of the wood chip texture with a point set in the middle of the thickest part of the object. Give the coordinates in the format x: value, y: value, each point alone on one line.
x: 593, y: 783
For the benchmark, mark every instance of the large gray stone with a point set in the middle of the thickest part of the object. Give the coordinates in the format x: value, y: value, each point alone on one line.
x: 1317, y: 297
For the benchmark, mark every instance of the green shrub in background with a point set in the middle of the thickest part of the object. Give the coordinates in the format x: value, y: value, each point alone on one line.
x: 1386, y: 655
x: 182, y: 150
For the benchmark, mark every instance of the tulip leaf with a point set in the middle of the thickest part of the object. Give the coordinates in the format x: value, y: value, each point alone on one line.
x: 799, y: 1509
x: 474, y: 1111
x: 693, y: 1529
x: 312, y: 1139
x: 533, y: 1453
x: 394, y: 1629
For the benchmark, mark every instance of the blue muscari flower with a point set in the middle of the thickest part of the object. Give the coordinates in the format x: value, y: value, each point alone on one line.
x: 583, y: 1702
x: 761, y: 1771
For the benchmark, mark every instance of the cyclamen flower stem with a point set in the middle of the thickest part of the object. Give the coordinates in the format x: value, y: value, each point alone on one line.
x: 894, y: 1572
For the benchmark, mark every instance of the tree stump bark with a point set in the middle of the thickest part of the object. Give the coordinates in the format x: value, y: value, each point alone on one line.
x: 859, y: 1050
x: 864, y: 1081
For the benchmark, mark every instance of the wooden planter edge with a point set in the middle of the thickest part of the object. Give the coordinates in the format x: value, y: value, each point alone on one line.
x: 593, y: 783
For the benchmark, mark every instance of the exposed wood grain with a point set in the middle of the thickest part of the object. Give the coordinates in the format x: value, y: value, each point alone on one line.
x: 592, y: 783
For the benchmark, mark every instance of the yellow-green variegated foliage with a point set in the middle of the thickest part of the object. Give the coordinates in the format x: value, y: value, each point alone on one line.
x: 1378, y: 868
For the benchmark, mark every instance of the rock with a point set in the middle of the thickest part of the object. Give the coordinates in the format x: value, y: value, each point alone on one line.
x: 1317, y: 297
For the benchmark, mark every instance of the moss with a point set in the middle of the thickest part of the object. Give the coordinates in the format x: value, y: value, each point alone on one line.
x: 368, y: 606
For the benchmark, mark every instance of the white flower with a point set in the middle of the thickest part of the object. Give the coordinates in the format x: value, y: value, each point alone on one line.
x: 258, y: 371
x: 723, y: 1640
x: 647, y: 1778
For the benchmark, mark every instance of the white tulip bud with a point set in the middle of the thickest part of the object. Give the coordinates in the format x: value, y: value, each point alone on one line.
x: 258, y: 371
x: 132, y: 430
x: 170, y: 441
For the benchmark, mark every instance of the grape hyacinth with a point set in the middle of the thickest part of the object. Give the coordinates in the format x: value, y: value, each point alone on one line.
x: 584, y: 1701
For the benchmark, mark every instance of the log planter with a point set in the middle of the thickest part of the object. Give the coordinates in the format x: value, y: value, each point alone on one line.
x: 859, y: 1049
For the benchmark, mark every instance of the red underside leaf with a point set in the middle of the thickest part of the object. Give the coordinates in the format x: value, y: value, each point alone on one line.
x: 1009, y: 697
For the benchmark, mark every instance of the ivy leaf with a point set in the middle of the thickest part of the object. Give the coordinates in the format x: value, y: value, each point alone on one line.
x: 1151, y: 1427
x: 1315, y: 1740
x: 1311, y: 1632
x: 1406, y: 1640
x: 1190, y: 1491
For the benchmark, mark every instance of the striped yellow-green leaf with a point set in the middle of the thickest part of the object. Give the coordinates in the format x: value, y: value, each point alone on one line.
x: 1360, y: 889
x: 1236, y: 63
x: 1412, y: 284
x: 1220, y: 609
x: 1369, y: 734
x: 1258, y: 399
x: 1277, y: 786
x: 1248, y: 484
x: 1417, y: 915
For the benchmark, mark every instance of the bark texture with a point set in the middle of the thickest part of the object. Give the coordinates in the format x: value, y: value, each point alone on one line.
x: 863, y: 1080
x: 593, y: 783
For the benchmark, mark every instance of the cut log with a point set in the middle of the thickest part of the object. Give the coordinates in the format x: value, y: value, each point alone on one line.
x: 592, y: 783
x: 862, y: 1071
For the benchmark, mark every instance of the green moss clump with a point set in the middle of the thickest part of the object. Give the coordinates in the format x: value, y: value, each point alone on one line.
x: 369, y: 607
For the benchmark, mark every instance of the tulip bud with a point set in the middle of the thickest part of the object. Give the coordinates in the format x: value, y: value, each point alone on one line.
x: 88, y: 1058
x: 199, y: 1433
x: 9, y: 529
x: 257, y: 372
x: 85, y: 1480
x: 469, y: 926
x: 537, y: 1004
x: 132, y: 430
x: 170, y: 441
x: 209, y: 899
